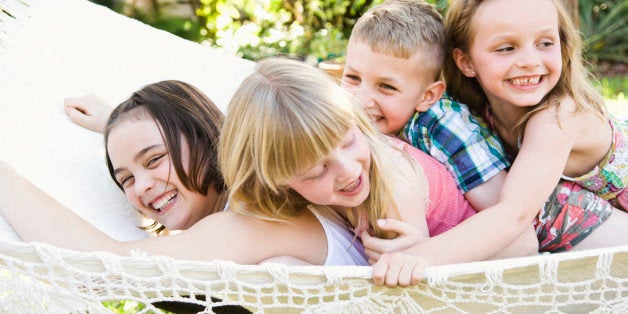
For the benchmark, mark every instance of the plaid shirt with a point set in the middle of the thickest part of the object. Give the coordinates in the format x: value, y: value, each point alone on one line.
x: 463, y: 143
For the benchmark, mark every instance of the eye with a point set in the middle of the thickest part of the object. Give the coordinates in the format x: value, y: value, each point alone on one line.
x: 388, y: 87
x: 316, y: 172
x: 348, y: 143
x: 153, y: 161
x: 546, y: 43
x: 350, y: 78
x: 321, y: 173
x: 505, y: 49
x: 126, y: 181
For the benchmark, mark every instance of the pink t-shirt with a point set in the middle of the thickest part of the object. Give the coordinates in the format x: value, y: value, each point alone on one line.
x: 447, y: 206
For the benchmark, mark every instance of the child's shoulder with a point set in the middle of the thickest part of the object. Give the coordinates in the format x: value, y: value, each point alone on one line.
x: 449, y: 114
x: 564, y: 109
x: 446, y: 104
x: 565, y: 115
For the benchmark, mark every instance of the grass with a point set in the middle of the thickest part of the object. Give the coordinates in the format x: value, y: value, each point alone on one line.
x: 613, y: 89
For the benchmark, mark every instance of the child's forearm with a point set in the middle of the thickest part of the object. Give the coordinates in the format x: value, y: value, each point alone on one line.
x: 478, y: 238
x: 36, y: 216
x: 525, y: 245
x: 486, y: 194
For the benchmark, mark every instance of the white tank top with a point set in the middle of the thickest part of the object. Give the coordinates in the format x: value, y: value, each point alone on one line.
x: 343, y: 248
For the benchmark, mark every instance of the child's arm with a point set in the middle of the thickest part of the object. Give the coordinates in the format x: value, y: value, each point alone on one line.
x: 89, y: 111
x: 534, y: 174
x: 410, y: 191
x: 36, y: 216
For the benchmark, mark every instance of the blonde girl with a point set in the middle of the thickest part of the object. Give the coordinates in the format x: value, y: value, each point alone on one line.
x: 519, y: 63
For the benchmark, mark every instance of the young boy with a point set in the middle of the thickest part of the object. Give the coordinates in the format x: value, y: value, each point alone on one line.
x: 393, y: 65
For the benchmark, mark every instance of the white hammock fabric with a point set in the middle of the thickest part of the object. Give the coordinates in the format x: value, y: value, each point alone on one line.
x: 53, y: 49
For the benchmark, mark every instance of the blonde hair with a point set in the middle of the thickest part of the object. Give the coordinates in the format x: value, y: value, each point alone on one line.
x: 401, y: 28
x: 574, y: 80
x: 284, y: 118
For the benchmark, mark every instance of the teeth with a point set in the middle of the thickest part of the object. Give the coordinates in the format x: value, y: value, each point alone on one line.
x: 352, y: 187
x: 525, y: 80
x: 164, y: 200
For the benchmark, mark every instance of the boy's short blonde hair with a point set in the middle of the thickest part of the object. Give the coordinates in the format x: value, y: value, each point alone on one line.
x: 401, y: 28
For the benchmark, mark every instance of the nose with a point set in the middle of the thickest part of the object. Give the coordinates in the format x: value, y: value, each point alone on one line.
x: 528, y: 58
x: 365, y: 98
x: 143, y: 183
x: 345, y: 166
x: 360, y: 92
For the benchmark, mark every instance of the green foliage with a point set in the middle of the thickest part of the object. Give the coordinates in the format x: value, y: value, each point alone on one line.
x: 613, y: 88
x: 255, y: 29
x: 122, y: 307
x: 605, y: 29
x: 188, y: 28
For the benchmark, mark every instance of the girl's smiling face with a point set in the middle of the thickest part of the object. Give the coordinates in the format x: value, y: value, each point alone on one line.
x: 142, y: 166
x: 515, y: 54
x: 342, y: 178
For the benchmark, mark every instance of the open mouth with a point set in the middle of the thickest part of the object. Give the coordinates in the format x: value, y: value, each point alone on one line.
x: 375, y: 118
x: 164, y: 200
x: 526, y: 81
x: 354, y: 186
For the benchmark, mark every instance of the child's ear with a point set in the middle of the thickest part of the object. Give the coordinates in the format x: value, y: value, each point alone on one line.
x: 463, y: 63
x: 431, y: 95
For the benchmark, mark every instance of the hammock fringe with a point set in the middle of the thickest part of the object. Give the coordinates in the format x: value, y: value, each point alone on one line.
x: 571, y: 282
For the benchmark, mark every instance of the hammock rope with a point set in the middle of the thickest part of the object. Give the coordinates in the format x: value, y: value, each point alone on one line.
x: 53, y: 49
x: 584, y: 281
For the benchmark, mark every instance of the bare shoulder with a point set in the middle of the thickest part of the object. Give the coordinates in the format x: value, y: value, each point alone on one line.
x: 302, y: 237
x: 566, y: 118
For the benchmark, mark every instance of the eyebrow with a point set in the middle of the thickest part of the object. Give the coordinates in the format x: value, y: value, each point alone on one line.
x: 553, y: 31
x: 138, y: 156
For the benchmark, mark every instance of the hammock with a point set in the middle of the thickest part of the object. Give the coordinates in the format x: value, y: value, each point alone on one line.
x: 53, y: 49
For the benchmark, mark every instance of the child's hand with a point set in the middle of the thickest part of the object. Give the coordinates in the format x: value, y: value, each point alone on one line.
x: 408, y: 236
x: 403, y: 269
x: 89, y: 111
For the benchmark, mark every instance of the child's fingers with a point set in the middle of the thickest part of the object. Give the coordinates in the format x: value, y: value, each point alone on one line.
x: 372, y: 255
x: 76, y: 115
x: 73, y: 102
x: 387, y: 245
x: 392, y: 275
x: 398, y: 226
x: 418, y: 273
x: 404, y: 279
x: 399, y: 269
x: 374, y: 243
x: 379, y: 273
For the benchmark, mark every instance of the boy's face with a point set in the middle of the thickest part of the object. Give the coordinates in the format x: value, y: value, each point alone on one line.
x: 389, y: 88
